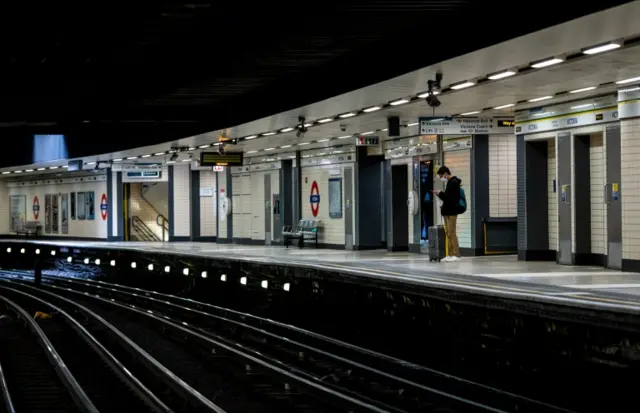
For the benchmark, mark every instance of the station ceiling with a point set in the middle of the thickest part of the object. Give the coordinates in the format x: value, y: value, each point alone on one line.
x: 112, y: 79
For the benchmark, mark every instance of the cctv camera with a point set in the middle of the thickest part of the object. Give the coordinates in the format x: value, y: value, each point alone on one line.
x: 343, y: 128
x: 433, y: 101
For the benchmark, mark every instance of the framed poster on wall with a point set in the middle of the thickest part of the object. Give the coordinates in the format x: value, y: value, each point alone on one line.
x: 80, y: 206
x: 72, y: 204
x: 64, y: 213
x: 18, y: 211
x: 335, y: 197
x: 90, y: 200
x: 47, y: 213
x: 55, y: 212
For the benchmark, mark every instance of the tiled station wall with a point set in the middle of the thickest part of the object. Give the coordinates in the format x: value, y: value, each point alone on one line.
x: 249, y: 202
x: 222, y: 190
x: 181, y: 201
x: 552, y: 197
x: 502, y: 176
x: 597, y: 176
x: 144, y: 210
x: 333, y: 229
x: 96, y: 228
x: 157, y: 194
x: 208, y: 205
x: 241, y: 205
x: 630, y: 188
x: 115, y: 203
x: 459, y: 162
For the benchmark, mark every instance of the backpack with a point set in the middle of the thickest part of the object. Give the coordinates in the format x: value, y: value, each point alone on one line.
x: 463, y: 201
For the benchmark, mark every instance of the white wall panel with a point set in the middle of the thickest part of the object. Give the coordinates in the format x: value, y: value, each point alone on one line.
x: 502, y: 176
x: 257, y: 202
x: 222, y: 189
x: 181, y: 201
x: 630, y: 188
x: 333, y: 229
x: 552, y: 197
x: 247, y: 212
x: 96, y: 228
x: 236, y: 200
x: 275, y: 189
x: 459, y: 163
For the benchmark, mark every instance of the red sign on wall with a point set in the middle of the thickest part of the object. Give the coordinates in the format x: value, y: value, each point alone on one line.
x: 36, y: 207
x: 314, y: 199
x: 103, y: 206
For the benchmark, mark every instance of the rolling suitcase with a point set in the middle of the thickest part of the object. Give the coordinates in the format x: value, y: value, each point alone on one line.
x: 437, y: 243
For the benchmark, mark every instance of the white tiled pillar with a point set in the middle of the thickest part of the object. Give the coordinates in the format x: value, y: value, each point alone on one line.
x: 630, y: 188
x: 552, y: 195
x: 503, y: 183
x: 181, y: 201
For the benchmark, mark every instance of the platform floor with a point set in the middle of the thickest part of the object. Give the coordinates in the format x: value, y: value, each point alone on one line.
x: 577, y: 281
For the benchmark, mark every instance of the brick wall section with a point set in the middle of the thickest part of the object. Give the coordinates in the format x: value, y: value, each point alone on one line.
x: 630, y: 188
x: 459, y: 162
x: 502, y: 176
x: 552, y: 196
x: 597, y: 175
x: 181, y: 201
x: 208, y: 205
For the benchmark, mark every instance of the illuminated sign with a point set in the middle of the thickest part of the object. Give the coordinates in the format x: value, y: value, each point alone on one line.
x: 217, y: 159
x: 506, y: 123
x: 599, y: 116
x: 367, y: 141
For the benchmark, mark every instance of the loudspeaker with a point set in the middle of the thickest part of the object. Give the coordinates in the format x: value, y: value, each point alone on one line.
x: 393, y: 123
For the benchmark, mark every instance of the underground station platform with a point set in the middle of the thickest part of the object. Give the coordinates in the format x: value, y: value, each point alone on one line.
x: 562, y: 335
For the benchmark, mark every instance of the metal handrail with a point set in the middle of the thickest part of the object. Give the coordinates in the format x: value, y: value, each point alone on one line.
x: 171, y: 380
x: 158, y: 216
x: 144, y: 229
x: 79, y: 396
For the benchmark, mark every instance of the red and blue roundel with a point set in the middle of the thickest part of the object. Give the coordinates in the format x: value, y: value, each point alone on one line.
x: 36, y: 207
x: 103, y: 207
x: 314, y: 199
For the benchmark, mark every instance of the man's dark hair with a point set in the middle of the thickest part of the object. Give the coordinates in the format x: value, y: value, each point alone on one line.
x: 443, y: 170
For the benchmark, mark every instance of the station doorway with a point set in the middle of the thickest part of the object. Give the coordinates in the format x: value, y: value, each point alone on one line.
x: 399, y: 240
x: 145, y: 211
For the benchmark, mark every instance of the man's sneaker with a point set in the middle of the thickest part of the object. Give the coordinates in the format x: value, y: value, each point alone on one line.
x: 446, y: 259
x: 453, y: 259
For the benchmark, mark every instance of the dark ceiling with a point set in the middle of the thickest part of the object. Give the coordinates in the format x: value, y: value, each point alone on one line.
x: 120, y: 77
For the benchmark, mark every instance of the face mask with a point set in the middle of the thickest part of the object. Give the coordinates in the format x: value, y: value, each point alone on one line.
x: 443, y: 179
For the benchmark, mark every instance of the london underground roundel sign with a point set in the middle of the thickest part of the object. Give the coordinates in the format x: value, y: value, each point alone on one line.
x: 36, y: 207
x: 314, y: 199
x: 103, y: 206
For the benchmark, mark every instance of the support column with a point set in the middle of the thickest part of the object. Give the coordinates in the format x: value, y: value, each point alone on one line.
x: 479, y: 191
x: 194, y: 201
x: 230, y: 196
x: 414, y: 237
x: 297, y: 189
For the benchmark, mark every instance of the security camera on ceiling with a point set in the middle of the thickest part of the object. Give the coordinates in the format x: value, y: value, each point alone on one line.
x: 434, y: 86
x: 301, y: 129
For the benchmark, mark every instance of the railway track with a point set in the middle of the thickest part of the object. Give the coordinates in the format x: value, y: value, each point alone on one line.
x: 86, y: 354
x: 390, y: 383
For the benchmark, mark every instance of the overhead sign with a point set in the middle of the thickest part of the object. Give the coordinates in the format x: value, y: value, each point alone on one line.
x: 314, y: 199
x: 136, y: 167
x: 464, y: 126
x: 367, y: 141
x: 36, y: 207
x: 457, y: 144
x: 141, y: 176
x: 219, y: 159
x: 629, y: 102
x: 103, y: 206
x: 570, y: 120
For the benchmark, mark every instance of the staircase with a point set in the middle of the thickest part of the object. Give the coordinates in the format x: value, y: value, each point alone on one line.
x: 147, y: 223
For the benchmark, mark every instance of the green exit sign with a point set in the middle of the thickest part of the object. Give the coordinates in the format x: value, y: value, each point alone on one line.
x: 367, y: 141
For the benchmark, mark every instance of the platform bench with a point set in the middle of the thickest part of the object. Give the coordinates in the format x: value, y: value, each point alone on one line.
x: 29, y: 228
x: 306, y: 230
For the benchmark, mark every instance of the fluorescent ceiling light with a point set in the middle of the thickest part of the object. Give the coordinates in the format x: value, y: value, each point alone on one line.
x: 56, y: 167
x: 186, y: 160
x: 17, y: 172
x: 132, y: 157
x: 584, y: 89
x: 413, y: 124
x: 546, y: 63
x: 192, y: 148
x: 366, y: 133
x: 203, y: 146
x: 505, y: 106
x: 268, y: 133
x: 88, y: 163
x: 285, y: 146
x: 307, y: 125
x: 475, y: 112
x: 325, y: 120
x: 145, y: 156
x: 633, y: 89
x: 252, y: 151
x: 115, y: 160
x: 372, y: 109
x: 502, y: 75
x: 601, y: 48
x: 344, y: 137
x: 168, y: 162
x: 6, y: 172
x: 323, y: 140
x: 540, y: 99
x: 633, y: 79
x: 65, y: 166
x: 269, y: 149
x: 399, y: 102
x: 347, y: 115
x: 303, y: 143
x: 586, y: 105
x: 158, y: 153
x: 462, y: 85
x: 28, y: 170
x: 285, y: 130
x: 425, y: 94
x: 42, y: 169
x: 247, y: 138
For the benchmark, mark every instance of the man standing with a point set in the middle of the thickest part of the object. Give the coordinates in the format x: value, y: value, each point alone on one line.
x: 453, y: 204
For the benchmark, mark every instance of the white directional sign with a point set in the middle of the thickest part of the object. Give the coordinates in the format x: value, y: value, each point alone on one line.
x: 464, y: 126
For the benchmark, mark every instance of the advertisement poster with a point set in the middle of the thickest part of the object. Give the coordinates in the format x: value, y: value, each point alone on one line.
x: 80, y: 206
x: 64, y: 211
x: 18, y: 211
x: 91, y: 205
x: 55, y: 212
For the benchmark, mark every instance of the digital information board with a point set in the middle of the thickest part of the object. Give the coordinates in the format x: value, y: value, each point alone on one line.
x: 217, y: 159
